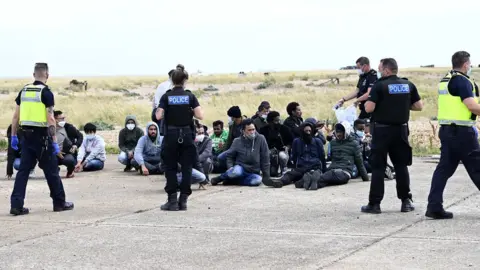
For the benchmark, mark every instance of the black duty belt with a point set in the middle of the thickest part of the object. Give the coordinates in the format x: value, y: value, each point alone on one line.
x: 389, y: 125
x: 177, y: 127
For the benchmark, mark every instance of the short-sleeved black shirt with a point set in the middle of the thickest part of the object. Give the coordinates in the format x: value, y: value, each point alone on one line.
x: 47, y: 96
x: 393, y: 97
x: 460, y: 86
x: 366, y: 81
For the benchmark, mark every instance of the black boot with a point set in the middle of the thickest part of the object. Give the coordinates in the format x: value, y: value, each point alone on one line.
x: 407, y: 205
x: 372, y: 208
x: 65, y: 207
x: 439, y: 214
x: 171, y: 204
x: 182, y: 202
x: 19, y: 211
x: 215, y: 181
x: 127, y: 168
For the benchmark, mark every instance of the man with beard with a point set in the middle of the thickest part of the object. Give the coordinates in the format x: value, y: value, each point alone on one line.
x: 147, y: 152
x: 247, y: 157
x: 279, y: 140
x: 309, y: 155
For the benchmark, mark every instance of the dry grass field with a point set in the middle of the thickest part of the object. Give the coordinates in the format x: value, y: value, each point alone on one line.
x: 110, y: 99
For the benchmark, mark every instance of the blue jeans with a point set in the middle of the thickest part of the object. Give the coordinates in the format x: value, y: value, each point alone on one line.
x: 93, y: 165
x: 123, y: 159
x: 197, y: 177
x: 238, y: 176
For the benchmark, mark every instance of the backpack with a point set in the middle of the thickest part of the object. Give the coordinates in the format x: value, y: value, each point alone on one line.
x: 274, y: 163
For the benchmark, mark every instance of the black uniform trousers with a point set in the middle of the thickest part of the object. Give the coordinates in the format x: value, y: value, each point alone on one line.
x: 391, y: 140
x: 175, y: 152
x: 458, y: 143
x: 36, y: 145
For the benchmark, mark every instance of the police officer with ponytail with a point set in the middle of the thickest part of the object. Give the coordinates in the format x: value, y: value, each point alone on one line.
x: 178, y: 107
x: 34, y: 115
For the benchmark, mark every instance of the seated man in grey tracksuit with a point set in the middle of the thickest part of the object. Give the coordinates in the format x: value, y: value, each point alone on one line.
x: 247, y: 157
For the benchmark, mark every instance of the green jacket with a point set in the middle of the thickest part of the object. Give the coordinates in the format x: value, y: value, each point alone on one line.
x: 347, y: 153
x: 217, y: 140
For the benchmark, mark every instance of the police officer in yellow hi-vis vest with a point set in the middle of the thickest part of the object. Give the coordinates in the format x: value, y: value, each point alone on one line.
x: 34, y: 115
x: 457, y: 113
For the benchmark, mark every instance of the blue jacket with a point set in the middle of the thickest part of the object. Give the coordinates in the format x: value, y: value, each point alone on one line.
x: 309, y: 155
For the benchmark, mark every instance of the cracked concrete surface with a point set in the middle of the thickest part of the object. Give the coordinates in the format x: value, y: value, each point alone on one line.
x: 117, y: 224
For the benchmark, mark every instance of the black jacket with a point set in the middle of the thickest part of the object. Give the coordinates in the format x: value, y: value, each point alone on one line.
x: 277, y: 138
x: 74, y: 135
x: 293, y: 123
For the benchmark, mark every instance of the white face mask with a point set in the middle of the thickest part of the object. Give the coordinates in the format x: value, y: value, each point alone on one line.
x: 264, y: 116
x: 230, y: 120
x: 360, y: 72
x: 379, y: 74
x: 61, y: 123
x: 130, y: 126
x: 469, y: 71
x: 199, y: 138
x: 90, y: 136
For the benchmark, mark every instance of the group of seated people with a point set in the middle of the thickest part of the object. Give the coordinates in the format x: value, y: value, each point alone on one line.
x: 252, y: 151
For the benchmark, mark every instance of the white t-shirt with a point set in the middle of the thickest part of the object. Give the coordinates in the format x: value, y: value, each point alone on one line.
x: 161, y: 90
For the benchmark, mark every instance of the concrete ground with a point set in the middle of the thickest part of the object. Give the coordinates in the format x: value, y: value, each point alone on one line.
x: 117, y: 224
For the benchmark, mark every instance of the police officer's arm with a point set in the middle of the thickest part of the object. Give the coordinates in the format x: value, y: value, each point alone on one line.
x: 161, y: 107
x: 371, y: 79
x: 373, y: 98
x: 16, y: 117
x: 458, y: 86
x: 49, y: 101
x: 351, y: 95
x: 197, y: 109
x: 415, y: 100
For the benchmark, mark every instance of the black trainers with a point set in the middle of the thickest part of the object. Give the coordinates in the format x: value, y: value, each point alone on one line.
x: 371, y: 209
x: 19, y: 211
x: 276, y: 183
x: 66, y: 207
x: 127, y: 168
x: 439, y: 214
x: 407, y: 205
x: 171, y: 204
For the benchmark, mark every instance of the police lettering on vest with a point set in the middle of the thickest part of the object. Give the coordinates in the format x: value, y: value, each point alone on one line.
x: 32, y: 110
x: 451, y: 109
x: 178, y: 111
x: 393, y: 106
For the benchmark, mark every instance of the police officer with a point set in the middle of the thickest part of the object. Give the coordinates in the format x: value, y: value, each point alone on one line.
x: 34, y: 113
x: 390, y: 102
x: 368, y: 77
x: 178, y: 106
x: 457, y: 113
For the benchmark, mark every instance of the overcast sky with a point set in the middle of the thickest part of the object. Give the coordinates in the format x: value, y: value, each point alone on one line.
x: 148, y: 37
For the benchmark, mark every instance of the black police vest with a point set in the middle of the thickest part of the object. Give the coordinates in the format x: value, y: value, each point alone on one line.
x: 394, y: 106
x: 178, y: 111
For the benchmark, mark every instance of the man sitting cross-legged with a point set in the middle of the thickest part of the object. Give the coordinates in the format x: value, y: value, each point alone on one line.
x: 309, y: 155
x: 147, y: 152
x: 247, y: 156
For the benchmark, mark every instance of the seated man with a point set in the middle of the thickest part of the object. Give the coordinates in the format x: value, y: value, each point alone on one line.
x: 309, y: 155
x: 13, y: 156
x: 92, y: 154
x: 65, y: 157
x: 204, y: 149
x: 147, y: 157
x: 345, y: 152
x: 234, y: 131
x: 74, y: 135
x: 127, y: 141
x: 365, y: 141
x: 318, y: 130
x: 219, y: 138
x: 294, y: 119
x: 246, y: 158
x: 262, y: 113
x: 279, y: 140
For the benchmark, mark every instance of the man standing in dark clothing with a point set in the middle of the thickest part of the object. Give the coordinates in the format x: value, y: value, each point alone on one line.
x: 294, y: 120
x: 367, y: 78
x: 390, y: 102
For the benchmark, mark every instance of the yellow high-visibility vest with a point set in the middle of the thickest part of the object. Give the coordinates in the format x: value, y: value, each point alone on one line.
x: 33, y: 112
x: 451, y: 109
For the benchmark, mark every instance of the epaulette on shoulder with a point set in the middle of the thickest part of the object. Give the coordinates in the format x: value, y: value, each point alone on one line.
x: 170, y: 90
x: 406, y: 79
x: 186, y: 90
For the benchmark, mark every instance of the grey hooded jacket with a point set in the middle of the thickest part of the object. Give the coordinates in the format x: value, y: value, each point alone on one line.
x: 148, y: 150
x: 252, y: 155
